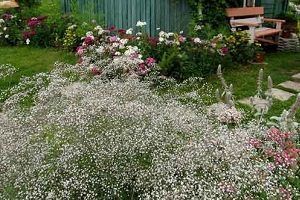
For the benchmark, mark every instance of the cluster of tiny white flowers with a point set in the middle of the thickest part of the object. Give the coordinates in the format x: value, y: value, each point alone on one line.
x: 224, y: 113
x: 92, y: 138
x: 7, y: 70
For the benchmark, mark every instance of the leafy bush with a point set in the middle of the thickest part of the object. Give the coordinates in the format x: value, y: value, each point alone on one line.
x: 10, y: 33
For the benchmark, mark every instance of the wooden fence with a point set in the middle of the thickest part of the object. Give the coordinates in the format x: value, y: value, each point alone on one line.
x: 168, y: 15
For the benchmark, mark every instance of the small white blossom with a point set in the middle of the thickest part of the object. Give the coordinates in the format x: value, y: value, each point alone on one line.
x: 141, y: 24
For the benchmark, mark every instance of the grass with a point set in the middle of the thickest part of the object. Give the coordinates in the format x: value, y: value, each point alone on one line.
x: 280, y: 66
x: 30, y: 60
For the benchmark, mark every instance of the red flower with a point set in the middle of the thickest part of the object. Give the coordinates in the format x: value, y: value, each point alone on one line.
x: 33, y: 22
x: 112, y: 28
x: 89, y: 40
x: 152, y: 41
x: 122, y: 31
x: 225, y: 50
x: 95, y: 71
x: 28, y: 34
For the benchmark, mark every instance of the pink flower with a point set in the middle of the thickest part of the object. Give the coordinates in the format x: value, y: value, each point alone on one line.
x: 113, y: 39
x: 256, y: 143
x: 142, y: 69
x: 269, y: 152
x: 33, y: 22
x: 80, y: 51
x: 150, y: 61
x: 285, y: 194
x: 89, y: 40
x: 95, y: 71
x: 28, y: 34
x: 277, y: 136
x: 285, y: 159
x: 181, y: 39
x: 6, y: 16
x: 225, y: 50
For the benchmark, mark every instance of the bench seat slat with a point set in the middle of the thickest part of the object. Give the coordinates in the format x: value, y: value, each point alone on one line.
x: 266, y: 32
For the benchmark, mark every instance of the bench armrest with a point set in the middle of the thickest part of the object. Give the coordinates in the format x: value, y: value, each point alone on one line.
x: 277, y: 21
x: 273, y: 20
x: 251, y: 24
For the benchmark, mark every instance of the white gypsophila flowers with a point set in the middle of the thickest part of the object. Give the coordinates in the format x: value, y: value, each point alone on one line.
x: 7, y: 70
x: 110, y: 139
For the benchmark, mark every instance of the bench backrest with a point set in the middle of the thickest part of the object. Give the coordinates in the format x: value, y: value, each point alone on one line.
x: 244, y: 12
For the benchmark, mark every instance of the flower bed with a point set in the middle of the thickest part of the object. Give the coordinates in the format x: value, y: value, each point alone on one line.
x: 99, y: 137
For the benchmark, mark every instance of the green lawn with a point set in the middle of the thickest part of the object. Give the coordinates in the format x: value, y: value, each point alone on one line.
x: 29, y: 61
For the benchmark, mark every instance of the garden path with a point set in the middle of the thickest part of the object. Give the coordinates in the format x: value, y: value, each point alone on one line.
x: 283, y: 92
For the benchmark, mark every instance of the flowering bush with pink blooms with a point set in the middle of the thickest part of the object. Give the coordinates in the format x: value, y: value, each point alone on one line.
x: 113, y: 53
x: 176, y: 55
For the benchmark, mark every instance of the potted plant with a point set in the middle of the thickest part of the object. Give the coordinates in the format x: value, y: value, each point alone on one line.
x: 290, y: 25
x: 259, y: 54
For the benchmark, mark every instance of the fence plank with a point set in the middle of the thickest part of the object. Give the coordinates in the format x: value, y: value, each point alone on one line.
x: 165, y: 14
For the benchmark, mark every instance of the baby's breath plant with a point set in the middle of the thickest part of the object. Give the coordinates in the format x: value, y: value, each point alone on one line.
x: 90, y: 137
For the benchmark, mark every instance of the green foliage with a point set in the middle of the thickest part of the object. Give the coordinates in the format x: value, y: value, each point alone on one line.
x: 239, y: 47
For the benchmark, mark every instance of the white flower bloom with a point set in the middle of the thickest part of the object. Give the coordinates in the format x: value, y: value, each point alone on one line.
x: 72, y: 27
x: 4, y: 28
x: 161, y: 39
x: 139, y: 33
x: 197, y: 40
x: 181, y: 32
x: 100, y: 50
x: 141, y: 24
x: 157, y: 29
x: 171, y: 34
x: 118, y: 53
x: 129, y: 31
x: 162, y: 34
x: 124, y: 41
x: 27, y: 41
x: 100, y: 30
x: 89, y: 33
x: 115, y: 44
x: 6, y: 36
x: 197, y: 28
x: 2, y: 21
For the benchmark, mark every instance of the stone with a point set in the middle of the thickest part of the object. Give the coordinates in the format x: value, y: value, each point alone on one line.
x: 260, y: 103
x: 281, y: 94
x: 290, y: 85
x: 296, y: 77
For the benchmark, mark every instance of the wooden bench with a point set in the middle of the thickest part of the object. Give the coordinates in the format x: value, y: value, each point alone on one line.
x: 8, y: 4
x: 253, y: 18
